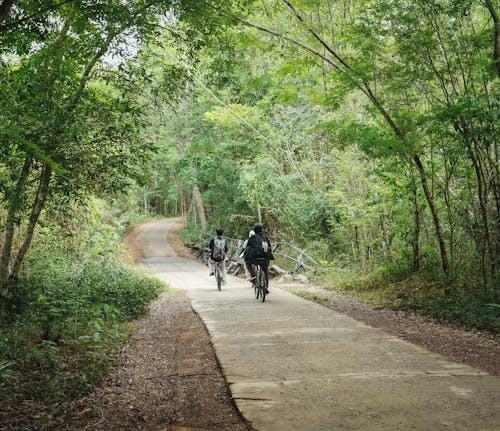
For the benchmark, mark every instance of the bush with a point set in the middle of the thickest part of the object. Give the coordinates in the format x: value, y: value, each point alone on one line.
x: 61, y: 320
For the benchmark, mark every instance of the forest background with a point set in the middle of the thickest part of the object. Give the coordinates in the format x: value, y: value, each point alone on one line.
x: 365, y: 132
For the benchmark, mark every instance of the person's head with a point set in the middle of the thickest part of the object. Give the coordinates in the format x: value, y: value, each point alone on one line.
x: 257, y: 228
x: 219, y: 231
x: 251, y: 233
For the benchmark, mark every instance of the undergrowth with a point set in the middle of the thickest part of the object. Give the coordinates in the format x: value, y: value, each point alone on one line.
x: 394, y: 287
x: 61, y: 323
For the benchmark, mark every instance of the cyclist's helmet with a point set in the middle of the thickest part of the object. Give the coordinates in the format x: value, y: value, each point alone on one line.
x: 219, y: 231
x: 257, y: 228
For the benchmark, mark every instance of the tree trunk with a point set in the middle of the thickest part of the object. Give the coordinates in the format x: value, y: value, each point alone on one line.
x: 416, y: 233
x: 485, y: 243
x: 449, y: 212
x: 435, y: 217
x: 5, y: 8
x: 272, y: 224
x: 199, y: 206
x: 486, y: 240
x: 40, y: 199
x: 14, y: 202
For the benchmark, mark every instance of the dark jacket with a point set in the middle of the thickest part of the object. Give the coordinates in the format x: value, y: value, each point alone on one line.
x: 253, y: 249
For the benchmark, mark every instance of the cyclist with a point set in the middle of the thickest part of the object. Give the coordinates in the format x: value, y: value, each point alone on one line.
x: 218, y: 249
x: 258, y: 250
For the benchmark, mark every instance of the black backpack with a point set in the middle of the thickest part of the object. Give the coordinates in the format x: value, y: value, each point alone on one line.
x: 262, y: 247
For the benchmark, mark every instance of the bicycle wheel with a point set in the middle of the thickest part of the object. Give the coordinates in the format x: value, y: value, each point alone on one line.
x: 255, y: 283
x: 262, y: 285
x: 218, y: 276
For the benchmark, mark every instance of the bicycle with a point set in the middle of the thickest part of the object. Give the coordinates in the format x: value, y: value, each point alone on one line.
x: 260, y: 283
x: 218, y: 274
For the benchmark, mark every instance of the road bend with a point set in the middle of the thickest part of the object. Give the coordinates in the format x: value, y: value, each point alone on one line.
x: 295, y: 365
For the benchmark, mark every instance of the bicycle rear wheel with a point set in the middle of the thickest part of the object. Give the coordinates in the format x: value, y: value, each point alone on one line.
x: 218, y: 276
x: 255, y: 283
x: 262, y: 285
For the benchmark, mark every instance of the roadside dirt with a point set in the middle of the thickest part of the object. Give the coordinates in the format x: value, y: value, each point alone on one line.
x: 168, y: 377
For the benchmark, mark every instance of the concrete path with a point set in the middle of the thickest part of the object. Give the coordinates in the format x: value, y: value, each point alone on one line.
x: 295, y: 365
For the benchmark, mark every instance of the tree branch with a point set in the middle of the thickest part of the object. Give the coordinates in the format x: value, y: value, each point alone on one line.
x: 294, y: 41
x: 88, y: 70
x: 104, y: 48
x: 362, y: 86
x: 316, y: 36
x: 27, y: 18
x: 496, y: 43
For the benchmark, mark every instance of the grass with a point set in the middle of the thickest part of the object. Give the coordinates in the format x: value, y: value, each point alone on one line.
x: 310, y: 296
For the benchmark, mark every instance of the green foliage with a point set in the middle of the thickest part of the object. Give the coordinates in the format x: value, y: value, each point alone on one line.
x: 75, y: 120
x: 462, y: 307
x: 65, y: 315
x: 69, y: 288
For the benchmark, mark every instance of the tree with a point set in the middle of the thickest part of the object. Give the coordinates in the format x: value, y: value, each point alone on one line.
x: 378, y: 49
x: 72, y: 126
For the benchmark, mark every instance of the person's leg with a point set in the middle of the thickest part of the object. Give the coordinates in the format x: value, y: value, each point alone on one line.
x: 250, y: 269
x: 223, y: 268
x: 265, y: 267
x: 247, y: 272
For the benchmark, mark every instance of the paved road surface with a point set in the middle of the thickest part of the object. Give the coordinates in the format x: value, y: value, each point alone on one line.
x: 295, y: 365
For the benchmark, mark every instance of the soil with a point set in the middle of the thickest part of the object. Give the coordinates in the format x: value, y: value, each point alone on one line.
x: 168, y: 377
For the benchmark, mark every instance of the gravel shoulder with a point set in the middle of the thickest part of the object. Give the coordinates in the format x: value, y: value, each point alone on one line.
x: 167, y: 378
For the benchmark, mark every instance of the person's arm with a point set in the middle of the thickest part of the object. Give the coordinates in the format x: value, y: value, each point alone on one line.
x: 270, y: 252
x: 211, y: 245
x: 249, y: 249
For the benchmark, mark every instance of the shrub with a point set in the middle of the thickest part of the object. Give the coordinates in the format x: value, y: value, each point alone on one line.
x: 57, y: 343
